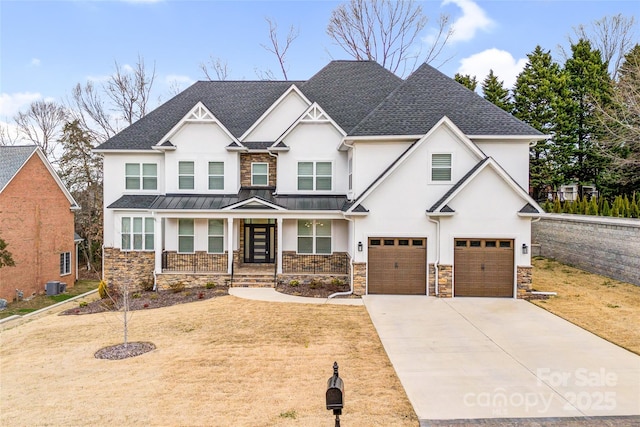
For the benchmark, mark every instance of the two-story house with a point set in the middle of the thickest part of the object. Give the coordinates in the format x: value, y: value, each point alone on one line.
x: 36, y: 222
x: 395, y: 185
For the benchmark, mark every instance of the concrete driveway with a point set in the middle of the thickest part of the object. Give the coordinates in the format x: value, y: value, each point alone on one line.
x: 471, y: 358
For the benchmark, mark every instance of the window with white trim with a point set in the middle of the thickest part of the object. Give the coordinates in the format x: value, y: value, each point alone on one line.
x: 186, y: 175
x: 441, y: 167
x: 259, y: 174
x: 216, y: 175
x: 137, y: 233
x: 216, y: 236
x: 65, y: 263
x: 186, y: 235
x: 314, y: 176
x: 314, y: 236
x: 141, y: 176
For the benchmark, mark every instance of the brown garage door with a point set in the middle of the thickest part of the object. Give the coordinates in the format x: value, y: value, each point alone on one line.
x: 397, y: 266
x: 483, y: 268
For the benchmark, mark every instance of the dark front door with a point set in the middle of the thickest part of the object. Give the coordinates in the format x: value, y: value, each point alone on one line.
x: 259, y: 243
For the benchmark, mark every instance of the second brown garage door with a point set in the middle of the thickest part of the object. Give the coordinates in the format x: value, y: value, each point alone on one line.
x: 483, y: 268
x: 397, y: 266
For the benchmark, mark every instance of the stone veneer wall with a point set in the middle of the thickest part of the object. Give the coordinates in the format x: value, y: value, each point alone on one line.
x: 130, y: 267
x: 431, y: 280
x: 359, y: 278
x: 607, y: 246
x: 192, y: 280
x: 444, y: 281
x: 524, y: 280
x: 293, y: 263
x: 245, y: 167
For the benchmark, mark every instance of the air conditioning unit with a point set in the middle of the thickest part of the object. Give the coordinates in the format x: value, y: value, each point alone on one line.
x: 52, y: 288
x: 62, y: 288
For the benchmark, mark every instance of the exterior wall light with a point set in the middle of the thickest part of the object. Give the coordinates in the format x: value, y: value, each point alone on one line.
x: 359, y: 246
x: 525, y: 249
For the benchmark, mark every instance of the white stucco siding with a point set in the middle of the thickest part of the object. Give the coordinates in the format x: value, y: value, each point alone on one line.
x: 339, y: 235
x: 201, y: 143
x: 486, y: 208
x: 312, y: 142
x: 370, y: 159
x: 513, y: 156
x: 278, y: 120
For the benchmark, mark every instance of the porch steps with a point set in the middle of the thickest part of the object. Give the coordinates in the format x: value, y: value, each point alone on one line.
x: 253, y: 281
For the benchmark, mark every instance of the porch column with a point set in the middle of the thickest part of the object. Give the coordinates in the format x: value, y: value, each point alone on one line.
x: 229, y: 245
x: 158, y: 238
x: 279, y: 245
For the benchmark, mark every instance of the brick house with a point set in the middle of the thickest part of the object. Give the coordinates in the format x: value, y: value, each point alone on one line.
x: 394, y: 185
x: 36, y: 221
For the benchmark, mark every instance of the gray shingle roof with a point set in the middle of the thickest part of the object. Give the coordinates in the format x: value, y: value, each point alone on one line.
x: 362, y: 97
x: 11, y: 160
x: 425, y: 97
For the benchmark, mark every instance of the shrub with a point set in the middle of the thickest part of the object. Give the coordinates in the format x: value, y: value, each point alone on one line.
x: 294, y: 283
x: 136, y: 295
x: 337, y: 282
x: 177, y: 287
x: 83, y: 304
x: 147, y: 284
x: 103, y: 291
x: 210, y: 285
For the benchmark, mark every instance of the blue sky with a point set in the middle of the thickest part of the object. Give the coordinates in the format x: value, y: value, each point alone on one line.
x: 46, y: 47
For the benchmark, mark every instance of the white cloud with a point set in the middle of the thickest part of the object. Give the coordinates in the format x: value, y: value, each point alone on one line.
x: 35, y: 62
x: 472, y: 20
x: 503, y: 64
x: 12, y: 103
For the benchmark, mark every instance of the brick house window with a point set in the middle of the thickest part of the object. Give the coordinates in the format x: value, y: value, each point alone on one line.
x: 137, y: 234
x: 259, y: 174
x: 314, y: 176
x: 216, y: 236
x: 141, y: 176
x: 216, y: 176
x: 65, y: 263
x: 314, y: 236
x: 186, y: 175
x: 441, y: 167
x: 186, y: 234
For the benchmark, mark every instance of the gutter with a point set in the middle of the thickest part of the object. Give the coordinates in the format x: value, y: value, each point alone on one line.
x: 437, y: 262
x: 350, y: 291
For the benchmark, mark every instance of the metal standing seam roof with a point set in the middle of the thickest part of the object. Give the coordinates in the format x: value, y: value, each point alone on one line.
x: 218, y: 202
x: 12, y: 158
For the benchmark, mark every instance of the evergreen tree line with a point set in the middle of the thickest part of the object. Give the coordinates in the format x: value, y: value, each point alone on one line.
x: 590, y: 114
x: 622, y: 206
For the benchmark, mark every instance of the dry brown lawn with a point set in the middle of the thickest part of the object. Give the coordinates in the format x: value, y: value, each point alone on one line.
x: 224, y: 361
x: 606, y: 307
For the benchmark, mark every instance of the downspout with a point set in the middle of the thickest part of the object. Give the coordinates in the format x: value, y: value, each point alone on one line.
x: 435, y: 265
x: 350, y: 291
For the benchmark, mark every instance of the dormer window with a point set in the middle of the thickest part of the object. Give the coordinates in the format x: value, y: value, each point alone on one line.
x: 259, y: 174
x: 141, y: 176
x: 441, y: 167
x: 186, y: 175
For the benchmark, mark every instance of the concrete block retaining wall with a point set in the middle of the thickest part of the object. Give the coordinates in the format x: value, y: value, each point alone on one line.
x: 607, y: 246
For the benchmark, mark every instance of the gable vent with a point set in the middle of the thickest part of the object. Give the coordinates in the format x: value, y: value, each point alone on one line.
x: 200, y: 114
x: 315, y: 114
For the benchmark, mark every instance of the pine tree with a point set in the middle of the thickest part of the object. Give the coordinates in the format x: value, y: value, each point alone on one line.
x: 537, y: 94
x: 466, y: 80
x: 495, y: 92
x: 627, y: 206
x: 634, y: 208
x: 557, y: 208
x: 606, y: 209
x: 548, y: 207
x: 592, y: 208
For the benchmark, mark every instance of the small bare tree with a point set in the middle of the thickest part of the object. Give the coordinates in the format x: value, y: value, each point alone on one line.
x: 276, y: 47
x: 385, y: 31
x: 7, y: 135
x: 129, y: 90
x: 216, y: 66
x: 88, y: 107
x: 41, y: 124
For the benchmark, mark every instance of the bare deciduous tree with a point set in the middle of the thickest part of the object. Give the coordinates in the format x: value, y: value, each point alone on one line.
x: 129, y: 90
x: 88, y: 107
x: 277, y: 48
x: 8, y: 136
x: 41, y: 124
x: 612, y: 35
x: 385, y: 31
x: 216, y: 66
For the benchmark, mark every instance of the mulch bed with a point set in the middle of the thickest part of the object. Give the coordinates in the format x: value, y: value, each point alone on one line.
x: 145, y: 300
x: 123, y: 351
x: 320, y: 290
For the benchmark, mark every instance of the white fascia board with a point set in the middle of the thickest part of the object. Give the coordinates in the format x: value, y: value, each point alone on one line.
x: 124, y: 151
x: 292, y: 88
x: 510, y: 137
x: 163, y: 148
x: 185, y: 120
x: 253, y: 200
x: 348, y: 141
x: 301, y: 119
x: 446, y: 121
x: 529, y: 215
x: 440, y: 214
